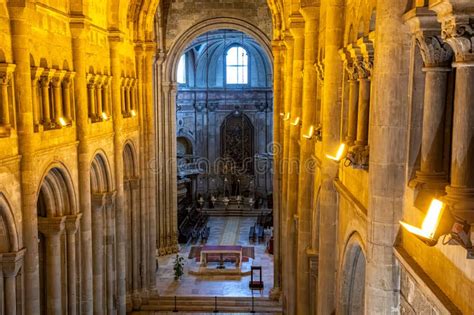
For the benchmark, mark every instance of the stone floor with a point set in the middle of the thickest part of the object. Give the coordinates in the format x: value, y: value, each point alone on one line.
x: 224, y: 231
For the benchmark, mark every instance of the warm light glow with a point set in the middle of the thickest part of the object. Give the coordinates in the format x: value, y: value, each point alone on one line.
x: 104, y: 116
x: 62, y: 122
x: 310, y: 133
x: 430, y: 223
x: 339, y: 154
x: 133, y: 113
x: 296, y: 122
x: 287, y: 116
x: 282, y: 114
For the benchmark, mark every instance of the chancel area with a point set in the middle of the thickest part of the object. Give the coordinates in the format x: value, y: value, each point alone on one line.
x: 236, y: 156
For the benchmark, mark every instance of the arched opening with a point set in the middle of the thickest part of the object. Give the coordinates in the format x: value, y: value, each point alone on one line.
x: 224, y: 114
x: 353, y: 286
x: 57, y: 227
x: 104, y: 235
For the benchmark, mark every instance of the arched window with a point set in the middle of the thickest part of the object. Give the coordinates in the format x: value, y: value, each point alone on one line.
x: 237, y: 66
x: 181, y: 76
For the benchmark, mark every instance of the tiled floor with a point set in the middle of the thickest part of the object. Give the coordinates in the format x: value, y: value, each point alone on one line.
x: 224, y: 231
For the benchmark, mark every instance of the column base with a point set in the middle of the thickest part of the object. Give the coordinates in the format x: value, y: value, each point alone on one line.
x: 461, y: 203
x: 275, y: 294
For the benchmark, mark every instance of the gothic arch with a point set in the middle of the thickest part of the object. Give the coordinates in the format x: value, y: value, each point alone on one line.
x: 183, y: 41
x: 130, y: 164
x: 56, y: 195
x: 352, y: 279
x: 101, y: 179
x: 8, y: 222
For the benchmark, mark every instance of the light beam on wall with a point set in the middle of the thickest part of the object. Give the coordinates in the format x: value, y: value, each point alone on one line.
x: 431, y: 222
x: 310, y: 133
x: 340, y: 153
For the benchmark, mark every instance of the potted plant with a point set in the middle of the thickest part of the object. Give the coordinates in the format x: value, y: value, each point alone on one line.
x: 178, y: 267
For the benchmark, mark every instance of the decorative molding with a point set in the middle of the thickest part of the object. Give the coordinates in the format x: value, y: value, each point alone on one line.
x: 356, y: 204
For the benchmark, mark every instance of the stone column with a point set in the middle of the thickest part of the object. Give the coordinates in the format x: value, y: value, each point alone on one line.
x: 91, y: 93
x: 72, y: 225
x: 112, y: 284
x: 98, y: 91
x: 297, y: 30
x: 352, y: 74
x: 20, y: 45
x: 127, y: 95
x: 79, y: 31
x: 98, y: 228
x: 67, y: 81
x: 10, y: 264
x: 458, y: 31
x: 123, y: 99
x: 364, y: 69
x: 277, y: 108
x: 6, y: 78
x: 331, y: 117
x: 106, y: 95
x: 35, y: 76
x: 307, y: 163
x: 46, y: 103
x: 135, y: 228
x: 115, y: 41
x: 388, y: 129
x: 58, y: 104
x: 288, y: 74
x: 52, y: 229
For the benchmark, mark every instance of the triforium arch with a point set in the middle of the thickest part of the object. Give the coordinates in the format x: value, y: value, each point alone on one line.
x: 104, y: 244
x: 58, y: 222
x: 9, y: 241
x: 352, y: 277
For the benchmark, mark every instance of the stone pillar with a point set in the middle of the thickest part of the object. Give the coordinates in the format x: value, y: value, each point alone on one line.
x: 388, y: 125
x: 115, y: 41
x: 135, y: 228
x: 352, y: 74
x: 297, y: 31
x: 307, y: 162
x: 127, y: 95
x: 150, y: 180
x: 91, y: 93
x: 458, y: 31
x: 6, y: 77
x: 331, y: 117
x: 98, y: 228
x: 10, y: 264
x: 98, y: 92
x: 79, y: 32
x: 106, y: 95
x: 67, y: 81
x: 20, y: 45
x: 52, y: 229
x: 72, y: 225
x: 288, y: 74
x: 123, y: 99
x: 46, y: 103
x: 35, y: 76
x: 58, y: 104
x: 112, y: 285
x: 364, y: 69
x: 277, y: 108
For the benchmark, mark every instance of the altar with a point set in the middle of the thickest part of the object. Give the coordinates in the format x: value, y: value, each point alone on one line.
x: 221, y: 254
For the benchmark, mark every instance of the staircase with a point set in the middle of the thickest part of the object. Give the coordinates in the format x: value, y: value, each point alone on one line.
x: 200, y: 304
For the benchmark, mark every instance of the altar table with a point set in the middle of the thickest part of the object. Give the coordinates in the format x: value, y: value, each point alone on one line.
x: 222, y: 251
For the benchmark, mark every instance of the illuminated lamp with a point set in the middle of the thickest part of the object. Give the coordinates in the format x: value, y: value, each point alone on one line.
x: 62, y: 122
x: 310, y: 133
x: 297, y: 121
x: 340, y: 153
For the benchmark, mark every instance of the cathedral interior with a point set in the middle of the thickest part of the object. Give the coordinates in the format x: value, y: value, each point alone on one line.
x: 236, y: 156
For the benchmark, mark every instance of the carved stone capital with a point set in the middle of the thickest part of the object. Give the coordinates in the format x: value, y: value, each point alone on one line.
x: 460, y: 36
x: 6, y: 71
x: 91, y: 80
x: 359, y: 157
x: 58, y: 77
x: 434, y: 51
x: 46, y: 77
x: 51, y: 226
x: 36, y: 73
x: 10, y: 263
x: 98, y: 200
x: 72, y: 223
x: 68, y: 77
x: 348, y: 64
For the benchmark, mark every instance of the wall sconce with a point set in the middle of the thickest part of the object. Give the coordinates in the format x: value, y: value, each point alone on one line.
x: 438, y: 222
x: 310, y: 133
x: 286, y: 116
x: 340, y: 153
x: 62, y: 122
x: 297, y: 121
x: 133, y: 113
x: 104, y: 116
